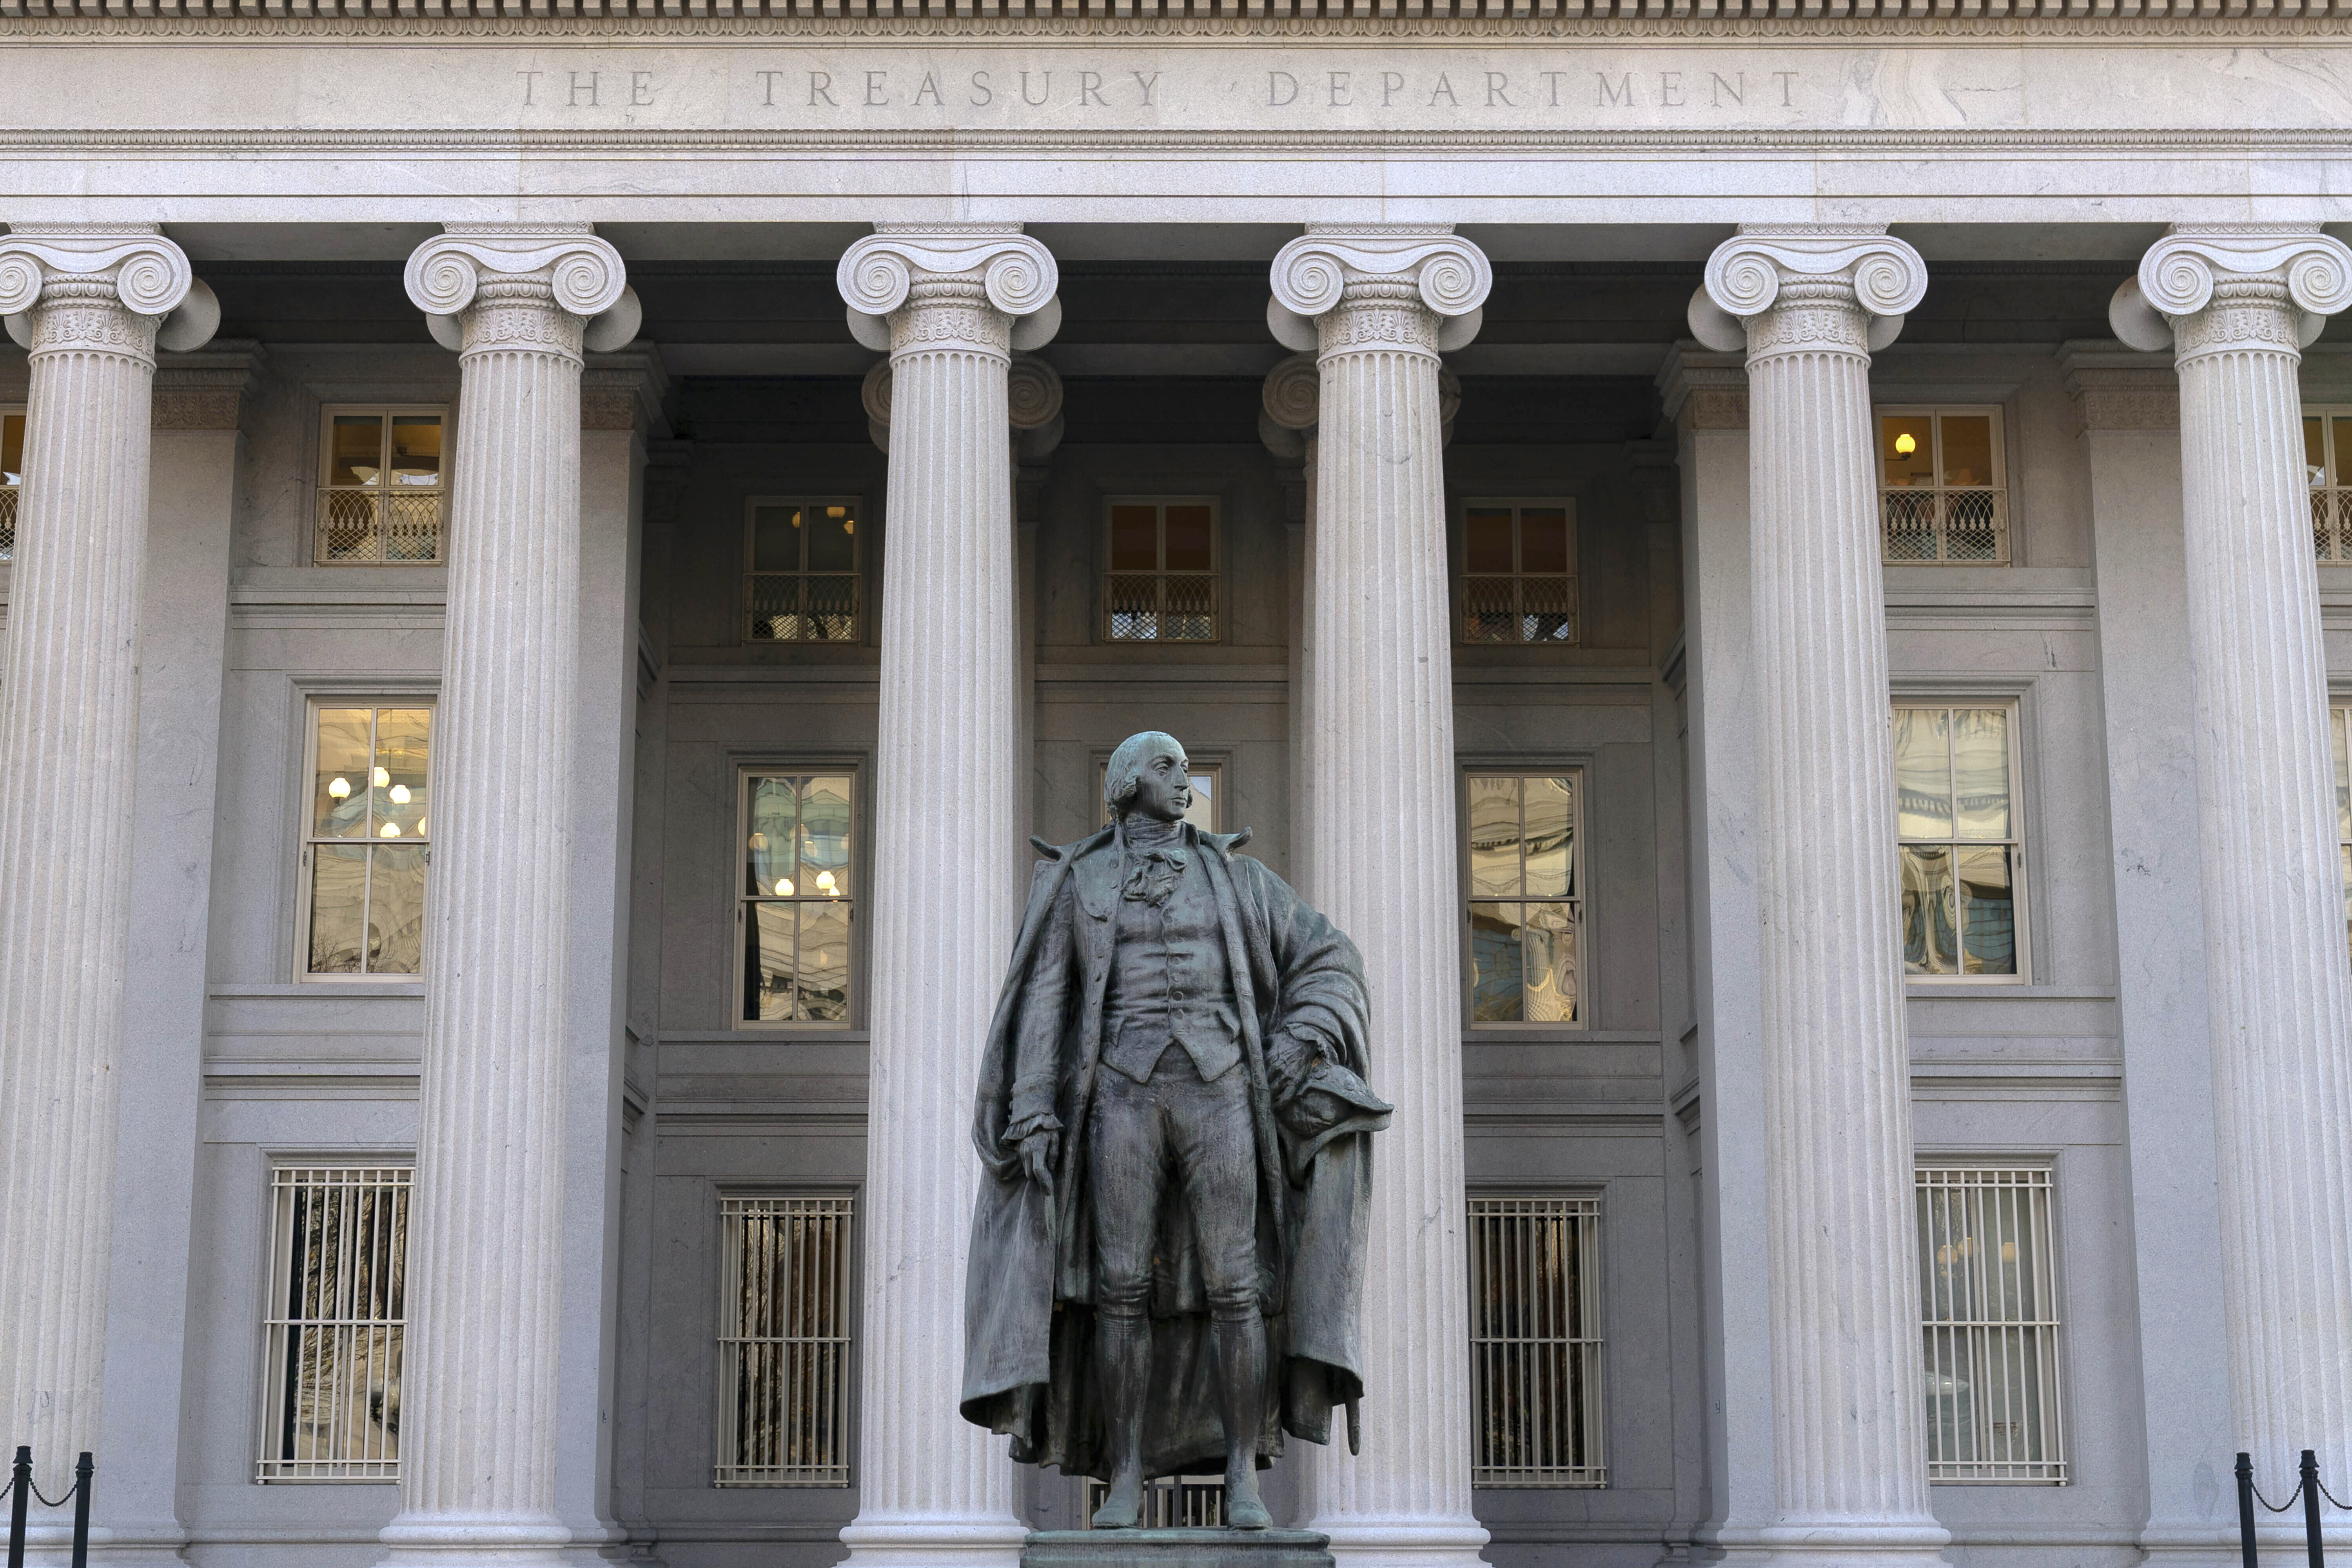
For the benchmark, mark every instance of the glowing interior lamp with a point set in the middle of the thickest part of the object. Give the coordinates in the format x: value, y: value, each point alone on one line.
x: 390, y: 830
x: 382, y: 778
x: 785, y: 887
x: 339, y: 789
x: 824, y: 880
x: 400, y: 795
x: 1905, y: 444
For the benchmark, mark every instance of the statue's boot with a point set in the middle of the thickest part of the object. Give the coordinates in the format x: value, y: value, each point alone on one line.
x: 1241, y: 1387
x: 1123, y: 1354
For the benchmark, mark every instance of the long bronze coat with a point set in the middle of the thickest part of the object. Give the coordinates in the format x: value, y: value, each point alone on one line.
x: 1030, y: 1287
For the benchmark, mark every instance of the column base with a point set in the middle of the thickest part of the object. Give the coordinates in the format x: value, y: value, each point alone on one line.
x: 1419, y: 1542
x: 475, y: 1540
x: 1834, y: 1543
x: 934, y: 1540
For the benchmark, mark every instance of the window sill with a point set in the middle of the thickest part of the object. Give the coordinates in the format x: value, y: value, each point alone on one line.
x: 323, y: 986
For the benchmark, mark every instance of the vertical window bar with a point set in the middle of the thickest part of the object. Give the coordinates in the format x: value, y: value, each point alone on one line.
x: 1988, y: 1292
x: 1536, y: 1343
x: 332, y: 1338
x: 783, y: 1343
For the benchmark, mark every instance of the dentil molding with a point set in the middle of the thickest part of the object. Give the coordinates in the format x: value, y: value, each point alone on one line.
x: 2306, y: 272
x: 1751, y: 272
x: 584, y: 275
x: 1451, y: 276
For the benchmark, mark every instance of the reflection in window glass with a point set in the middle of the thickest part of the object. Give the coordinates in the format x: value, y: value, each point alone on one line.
x: 2327, y: 458
x: 794, y: 898
x: 1526, y: 906
x: 380, y: 488
x: 1518, y: 572
x: 802, y: 585
x: 1954, y: 786
x: 366, y: 841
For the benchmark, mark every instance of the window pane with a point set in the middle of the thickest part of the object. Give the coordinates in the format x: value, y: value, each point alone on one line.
x: 1989, y: 910
x: 1494, y: 836
x: 833, y: 539
x: 2315, y: 452
x: 1923, y: 779
x: 12, y: 449
x: 1135, y: 539
x: 1980, y: 770
x: 776, y: 608
x: 1486, y: 545
x: 832, y: 608
x: 1190, y: 544
x: 1551, y: 964
x: 416, y: 450
x: 1497, y: 987
x: 1551, y: 861
x: 768, y: 963
x: 395, y: 909
x: 401, y: 738
x: 824, y: 835
x: 339, y: 792
x: 770, y: 864
x: 2347, y: 855
x: 1927, y: 917
x: 823, y: 978
x: 2343, y: 431
x: 1543, y: 539
x: 355, y: 449
x: 1907, y: 448
x: 1968, y: 449
x: 338, y: 908
x: 776, y: 539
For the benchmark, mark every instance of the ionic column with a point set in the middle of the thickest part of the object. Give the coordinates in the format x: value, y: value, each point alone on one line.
x: 1380, y: 844
x: 945, y: 299
x: 485, y: 1263
x: 87, y: 299
x: 2235, y: 304
x: 1850, y: 1460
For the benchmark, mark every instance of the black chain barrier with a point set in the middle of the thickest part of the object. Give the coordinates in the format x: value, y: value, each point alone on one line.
x: 2307, y: 1486
x: 22, y: 1493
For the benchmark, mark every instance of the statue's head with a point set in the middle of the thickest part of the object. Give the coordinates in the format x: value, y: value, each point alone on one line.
x: 1149, y: 774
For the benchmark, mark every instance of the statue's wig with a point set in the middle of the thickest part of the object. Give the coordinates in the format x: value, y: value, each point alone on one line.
x: 1126, y: 769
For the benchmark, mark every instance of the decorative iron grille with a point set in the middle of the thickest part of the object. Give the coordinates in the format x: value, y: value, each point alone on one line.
x: 1161, y: 606
x: 1989, y: 1294
x: 360, y: 526
x: 1535, y: 1342
x: 336, y: 1321
x: 8, y: 522
x: 2326, y: 452
x: 1959, y: 527
x: 784, y: 1341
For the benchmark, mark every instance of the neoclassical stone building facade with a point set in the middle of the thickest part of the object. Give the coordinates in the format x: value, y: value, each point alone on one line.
x: 1786, y: 570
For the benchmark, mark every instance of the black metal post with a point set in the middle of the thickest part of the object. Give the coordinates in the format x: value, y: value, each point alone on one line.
x: 20, y: 1496
x: 2246, y: 1511
x: 83, y: 1471
x: 2309, y: 1469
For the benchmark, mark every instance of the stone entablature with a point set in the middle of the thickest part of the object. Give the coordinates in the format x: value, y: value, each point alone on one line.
x: 1339, y: 15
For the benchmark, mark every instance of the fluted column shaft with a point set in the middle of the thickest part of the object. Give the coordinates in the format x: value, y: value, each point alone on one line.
x: 479, y: 1400
x: 2279, y: 991
x: 948, y: 870
x: 68, y: 749
x: 1849, y: 1439
x: 1379, y: 837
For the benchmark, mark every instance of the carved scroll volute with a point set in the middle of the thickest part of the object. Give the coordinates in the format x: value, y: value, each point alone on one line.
x: 1033, y: 399
x: 103, y: 270
x: 2270, y: 272
x: 1446, y: 275
x: 1772, y: 286
x: 492, y: 285
x: 1014, y: 274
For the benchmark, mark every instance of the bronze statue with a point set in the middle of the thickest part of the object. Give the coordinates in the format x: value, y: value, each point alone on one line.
x: 1176, y: 1126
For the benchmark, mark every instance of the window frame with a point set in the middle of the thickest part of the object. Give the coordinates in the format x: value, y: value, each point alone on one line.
x: 1580, y: 769
x: 1997, y: 415
x: 1590, y: 1210
x: 746, y: 770
x: 860, y: 514
x: 2021, y: 862
x: 2338, y: 488
x: 321, y: 489
x: 1160, y: 575
x: 372, y: 696
x: 2042, y: 1169
x: 13, y: 492
x: 852, y: 1294
x: 1574, y: 576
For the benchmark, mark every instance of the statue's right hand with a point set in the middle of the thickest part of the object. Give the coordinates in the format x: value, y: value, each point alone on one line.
x: 1037, y: 1153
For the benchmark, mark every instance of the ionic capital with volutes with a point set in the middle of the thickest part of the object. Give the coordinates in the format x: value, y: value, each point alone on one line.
x: 1807, y: 289
x: 927, y: 288
x: 554, y: 287
x: 102, y: 288
x: 1340, y: 288
x: 2210, y: 287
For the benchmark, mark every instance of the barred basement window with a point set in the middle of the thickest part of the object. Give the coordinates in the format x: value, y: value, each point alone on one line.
x: 1962, y: 856
x: 1519, y: 571
x: 380, y: 489
x: 793, y: 908
x: 784, y: 1341
x: 368, y: 842
x: 1526, y: 901
x: 334, y: 1323
x: 1161, y: 584
x: 12, y: 477
x: 2327, y: 466
x: 1170, y: 1502
x: 800, y: 576
x: 1987, y: 1284
x: 1942, y: 502
x: 1535, y: 1342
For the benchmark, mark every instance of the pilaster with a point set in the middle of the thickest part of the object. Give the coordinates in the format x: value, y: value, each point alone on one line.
x: 1379, y: 750
x: 1290, y: 404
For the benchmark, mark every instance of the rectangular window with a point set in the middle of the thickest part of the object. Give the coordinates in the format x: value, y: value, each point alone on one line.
x: 379, y: 487
x: 2339, y: 729
x: 1519, y: 571
x: 2327, y: 458
x: 1527, y: 898
x: 1170, y: 1502
x: 1988, y: 1285
x: 1535, y: 1342
x: 368, y: 842
x: 1160, y: 584
x: 1942, y: 495
x: 1202, y: 814
x: 801, y: 581
x: 793, y: 905
x: 1962, y: 856
x: 784, y: 1341
x: 12, y: 477
x: 334, y: 1323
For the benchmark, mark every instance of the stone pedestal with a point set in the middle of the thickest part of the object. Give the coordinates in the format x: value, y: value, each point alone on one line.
x: 1177, y: 1549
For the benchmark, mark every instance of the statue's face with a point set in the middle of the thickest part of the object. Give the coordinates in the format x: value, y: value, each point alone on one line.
x: 1163, y: 789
